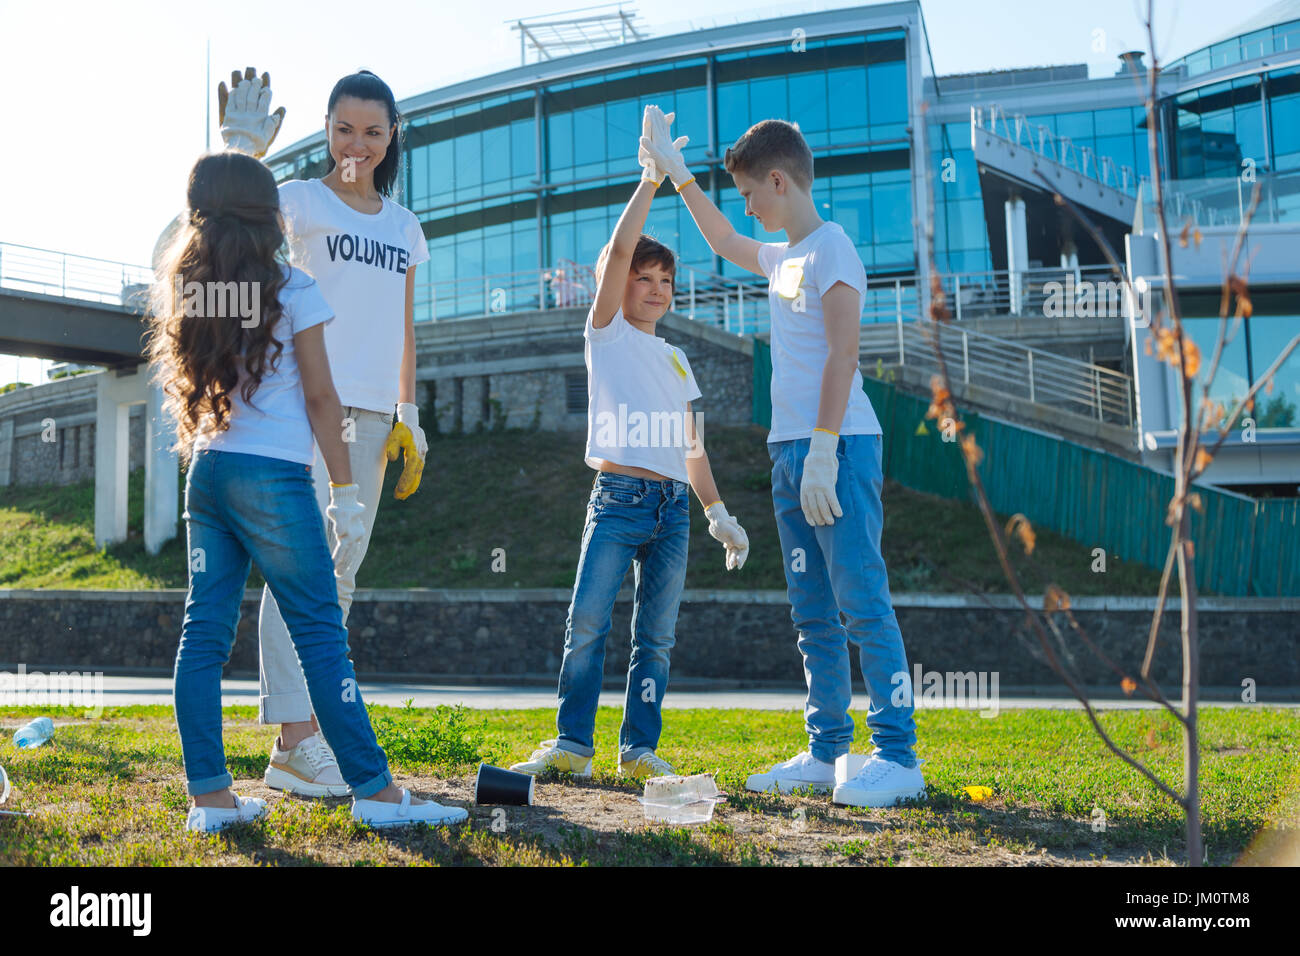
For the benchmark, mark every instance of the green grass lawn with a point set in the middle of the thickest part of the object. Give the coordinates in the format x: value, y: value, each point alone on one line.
x: 110, y: 790
x: 526, y: 492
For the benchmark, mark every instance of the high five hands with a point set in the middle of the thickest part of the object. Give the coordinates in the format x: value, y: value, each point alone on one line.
x: 242, y: 113
x: 658, y: 150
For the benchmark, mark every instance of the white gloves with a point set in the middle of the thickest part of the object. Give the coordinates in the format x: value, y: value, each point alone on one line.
x: 820, y: 469
x: 409, y: 415
x: 659, y: 146
x: 242, y: 113
x: 723, y: 527
x: 344, y: 512
x: 649, y: 171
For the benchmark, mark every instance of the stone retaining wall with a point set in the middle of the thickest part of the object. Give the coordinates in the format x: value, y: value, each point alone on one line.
x: 737, y: 638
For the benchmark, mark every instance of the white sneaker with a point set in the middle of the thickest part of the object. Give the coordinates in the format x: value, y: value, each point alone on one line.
x: 377, y: 813
x: 880, y: 783
x: 309, y: 769
x: 212, y: 819
x: 800, y: 771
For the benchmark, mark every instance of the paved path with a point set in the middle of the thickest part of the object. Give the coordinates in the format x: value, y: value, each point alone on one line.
x: 121, y: 691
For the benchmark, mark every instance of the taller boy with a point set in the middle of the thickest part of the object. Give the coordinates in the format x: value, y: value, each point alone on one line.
x: 825, y: 446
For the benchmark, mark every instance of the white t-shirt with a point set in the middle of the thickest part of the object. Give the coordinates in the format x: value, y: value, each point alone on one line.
x: 799, y: 349
x: 637, y: 389
x: 360, y: 262
x: 276, y: 423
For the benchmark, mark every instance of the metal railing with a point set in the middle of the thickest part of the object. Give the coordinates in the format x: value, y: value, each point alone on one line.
x: 1223, y: 200
x: 1001, y: 292
x: 893, y: 323
x: 1019, y: 130
x: 46, y: 272
x: 1004, y: 367
x: 735, y: 306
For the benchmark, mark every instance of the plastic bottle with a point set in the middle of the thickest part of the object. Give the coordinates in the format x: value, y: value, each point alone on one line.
x: 34, y: 734
x: 4, y: 786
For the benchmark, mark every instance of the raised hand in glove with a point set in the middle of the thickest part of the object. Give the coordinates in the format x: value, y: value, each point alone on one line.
x: 820, y: 469
x: 723, y: 527
x: 242, y: 113
x: 344, y: 513
x: 407, y: 439
x: 659, y: 146
x: 649, y: 171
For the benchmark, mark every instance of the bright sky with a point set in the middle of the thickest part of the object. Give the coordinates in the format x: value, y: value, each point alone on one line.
x: 102, y: 109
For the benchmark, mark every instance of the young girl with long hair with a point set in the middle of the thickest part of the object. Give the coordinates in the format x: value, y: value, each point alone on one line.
x: 251, y: 394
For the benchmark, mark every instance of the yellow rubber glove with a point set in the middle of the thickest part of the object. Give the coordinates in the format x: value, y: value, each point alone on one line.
x: 400, y: 440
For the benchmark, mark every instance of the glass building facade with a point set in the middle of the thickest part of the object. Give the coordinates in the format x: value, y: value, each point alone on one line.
x: 531, y: 175
x: 527, y: 179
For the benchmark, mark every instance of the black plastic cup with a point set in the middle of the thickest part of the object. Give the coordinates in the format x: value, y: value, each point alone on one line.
x: 495, y: 785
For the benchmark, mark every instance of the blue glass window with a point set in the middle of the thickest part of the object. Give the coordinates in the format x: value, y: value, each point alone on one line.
x: 848, y: 98
x: 1284, y: 115
x: 733, y: 113
x: 808, y: 102
x: 559, y: 141
x: 496, y: 155
x: 1269, y: 334
x: 523, y: 151
x: 469, y: 161
x: 767, y: 99
x: 442, y: 178
x: 589, y: 141
x: 887, y: 90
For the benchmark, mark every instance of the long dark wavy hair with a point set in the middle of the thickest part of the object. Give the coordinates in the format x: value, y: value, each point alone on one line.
x: 231, y: 232
x: 364, y: 85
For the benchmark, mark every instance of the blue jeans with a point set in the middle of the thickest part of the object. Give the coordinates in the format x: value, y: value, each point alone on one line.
x: 646, y: 524
x: 834, y: 568
x: 239, y: 509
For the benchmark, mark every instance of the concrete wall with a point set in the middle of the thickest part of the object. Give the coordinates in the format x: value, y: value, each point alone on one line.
x: 512, y: 370
x: 506, y: 371
x: 33, y: 453
x: 724, y: 638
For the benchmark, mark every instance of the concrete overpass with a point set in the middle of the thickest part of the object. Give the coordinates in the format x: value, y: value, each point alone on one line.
x: 91, y: 311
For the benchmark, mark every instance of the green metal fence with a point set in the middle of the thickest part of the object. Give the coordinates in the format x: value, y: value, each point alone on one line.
x: 1243, y: 546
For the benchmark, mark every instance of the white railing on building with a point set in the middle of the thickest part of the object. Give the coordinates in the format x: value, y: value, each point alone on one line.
x: 47, y: 272
x: 894, y: 326
x: 1018, y: 129
x: 1004, y: 367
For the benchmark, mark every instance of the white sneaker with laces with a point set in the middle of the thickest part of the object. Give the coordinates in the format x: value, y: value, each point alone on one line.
x: 799, y: 772
x: 212, y: 819
x: 310, y: 769
x: 880, y: 783
x: 378, y: 813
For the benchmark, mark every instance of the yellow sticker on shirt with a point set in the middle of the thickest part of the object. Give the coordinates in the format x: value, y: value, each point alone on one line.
x: 672, y: 357
x: 789, y: 278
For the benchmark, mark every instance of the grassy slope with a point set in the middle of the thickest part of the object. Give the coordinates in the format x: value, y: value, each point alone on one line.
x: 526, y: 492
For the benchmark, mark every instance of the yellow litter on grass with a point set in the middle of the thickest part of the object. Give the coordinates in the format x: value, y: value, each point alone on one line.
x: 979, y: 794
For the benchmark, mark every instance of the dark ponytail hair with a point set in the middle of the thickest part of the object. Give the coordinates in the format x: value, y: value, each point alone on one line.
x: 364, y: 85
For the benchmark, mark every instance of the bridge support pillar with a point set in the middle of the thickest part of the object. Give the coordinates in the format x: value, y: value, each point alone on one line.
x: 161, y: 477
x: 116, y: 392
x: 6, y: 452
x: 1070, y: 260
x: 1017, y: 250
